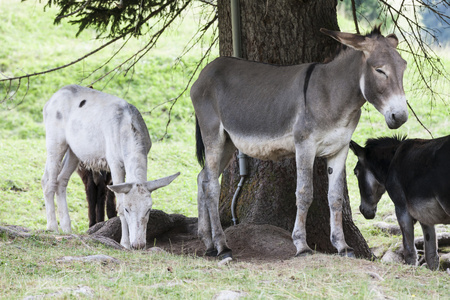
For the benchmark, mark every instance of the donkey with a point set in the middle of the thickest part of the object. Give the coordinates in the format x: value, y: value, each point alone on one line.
x: 306, y: 111
x: 97, y: 194
x: 416, y: 175
x: 103, y: 132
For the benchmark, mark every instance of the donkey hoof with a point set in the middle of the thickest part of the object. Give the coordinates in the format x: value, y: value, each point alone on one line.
x: 433, y: 263
x: 348, y: 252
x: 211, y: 252
x: 226, y: 253
x: 304, y: 252
x: 52, y: 228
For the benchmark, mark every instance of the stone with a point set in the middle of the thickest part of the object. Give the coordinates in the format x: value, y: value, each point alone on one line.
x: 392, y: 257
x: 91, y: 258
x: 228, y: 295
x: 389, y: 228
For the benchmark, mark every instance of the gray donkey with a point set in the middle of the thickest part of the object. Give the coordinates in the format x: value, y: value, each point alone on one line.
x: 303, y: 111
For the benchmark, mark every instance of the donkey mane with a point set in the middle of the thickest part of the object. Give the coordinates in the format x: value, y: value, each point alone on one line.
x: 379, y: 154
x: 140, y: 133
x: 385, y: 141
x: 376, y: 30
x: 260, y: 62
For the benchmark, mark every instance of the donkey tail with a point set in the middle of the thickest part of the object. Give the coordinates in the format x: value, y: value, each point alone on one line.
x: 199, y: 144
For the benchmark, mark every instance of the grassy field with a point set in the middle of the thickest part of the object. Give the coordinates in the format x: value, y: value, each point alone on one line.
x: 151, y: 86
x: 29, y: 43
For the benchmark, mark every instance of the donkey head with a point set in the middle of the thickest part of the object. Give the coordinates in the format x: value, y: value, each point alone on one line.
x: 135, y: 204
x: 370, y: 189
x: 381, y: 78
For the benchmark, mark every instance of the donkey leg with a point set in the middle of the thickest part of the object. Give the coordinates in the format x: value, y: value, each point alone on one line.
x: 304, y: 197
x: 430, y: 244
x: 118, y: 176
x: 336, y: 182
x: 49, y: 188
x: 212, y: 203
x: 91, y: 197
x: 55, y: 154
x: 210, y: 229
x: 70, y: 164
x: 86, y: 177
x: 111, y: 211
x: 99, y: 181
x: 406, y: 223
x: 204, y: 224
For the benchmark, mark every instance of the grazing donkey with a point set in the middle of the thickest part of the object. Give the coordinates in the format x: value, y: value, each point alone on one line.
x: 97, y: 194
x: 416, y: 175
x: 306, y: 111
x: 104, y: 133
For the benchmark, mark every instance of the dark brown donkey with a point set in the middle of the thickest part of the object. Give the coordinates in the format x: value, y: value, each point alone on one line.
x: 416, y: 175
x: 98, y: 195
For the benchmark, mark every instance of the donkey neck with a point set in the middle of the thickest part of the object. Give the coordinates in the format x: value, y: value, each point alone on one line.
x: 380, y: 160
x: 134, y: 151
x: 136, y: 170
x: 339, y: 82
x: 135, y: 145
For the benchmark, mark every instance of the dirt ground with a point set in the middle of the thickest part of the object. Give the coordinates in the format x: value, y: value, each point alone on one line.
x: 177, y: 234
x: 248, y: 242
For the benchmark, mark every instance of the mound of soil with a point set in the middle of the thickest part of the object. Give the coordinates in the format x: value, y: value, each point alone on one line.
x: 248, y: 242
x: 177, y: 234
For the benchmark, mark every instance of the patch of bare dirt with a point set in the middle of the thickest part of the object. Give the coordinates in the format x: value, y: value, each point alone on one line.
x: 177, y: 234
x: 248, y: 242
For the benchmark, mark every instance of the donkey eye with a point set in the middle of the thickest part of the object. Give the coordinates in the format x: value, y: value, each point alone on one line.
x: 126, y: 210
x: 381, y: 72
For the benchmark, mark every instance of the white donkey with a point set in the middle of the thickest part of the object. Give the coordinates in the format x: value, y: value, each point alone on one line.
x: 103, y: 132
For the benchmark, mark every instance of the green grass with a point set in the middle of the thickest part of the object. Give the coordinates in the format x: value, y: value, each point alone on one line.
x: 22, y: 201
x: 150, y: 86
x: 155, y: 80
x: 25, y: 271
x: 28, y: 266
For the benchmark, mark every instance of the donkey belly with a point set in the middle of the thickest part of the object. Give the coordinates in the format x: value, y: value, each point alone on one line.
x: 283, y: 146
x: 89, y: 147
x: 95, y: 159
x: 428, y: 211
x: 265, y: 148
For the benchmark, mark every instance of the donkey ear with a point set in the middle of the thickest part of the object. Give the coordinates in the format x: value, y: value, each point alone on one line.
x: 159, y: 183
x: 357, y: 149
x: 121, y: 188
x: 392, y: 40
x: 355, y: 41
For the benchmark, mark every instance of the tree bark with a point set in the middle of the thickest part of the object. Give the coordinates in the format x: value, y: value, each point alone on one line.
x: 283, y: 32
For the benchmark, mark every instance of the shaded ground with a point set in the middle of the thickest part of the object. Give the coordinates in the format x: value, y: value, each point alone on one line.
x: 248, y: 242
x: 177, y: 234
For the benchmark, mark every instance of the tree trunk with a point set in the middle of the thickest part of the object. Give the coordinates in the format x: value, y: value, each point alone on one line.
x: 283, y: 32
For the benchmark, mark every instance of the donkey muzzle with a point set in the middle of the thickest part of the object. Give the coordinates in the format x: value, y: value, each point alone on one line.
x: 396, y: 116
x: 368, y: 213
